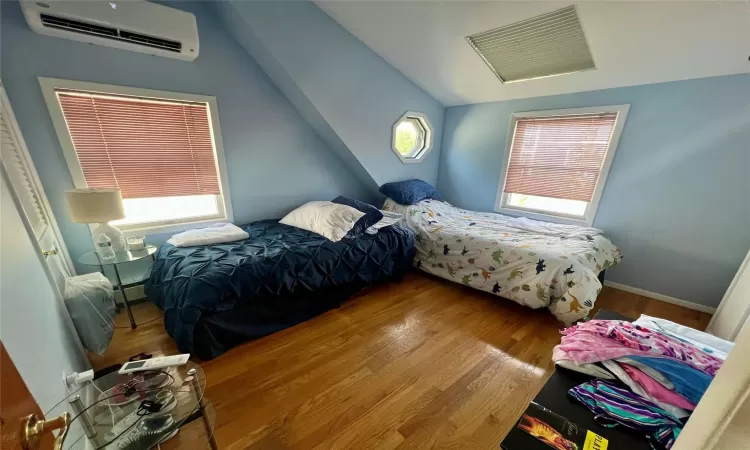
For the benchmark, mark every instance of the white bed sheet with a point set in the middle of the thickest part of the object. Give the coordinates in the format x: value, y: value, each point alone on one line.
x: 536, y: 264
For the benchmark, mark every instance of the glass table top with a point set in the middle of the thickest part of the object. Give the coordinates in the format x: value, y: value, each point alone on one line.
x: 93, y: 259
x: 137, y: 410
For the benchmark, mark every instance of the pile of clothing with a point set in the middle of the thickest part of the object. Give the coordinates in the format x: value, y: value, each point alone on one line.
x: 652, y: 372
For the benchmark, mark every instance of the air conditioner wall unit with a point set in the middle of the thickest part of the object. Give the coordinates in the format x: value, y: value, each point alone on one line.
x: 135, y: 25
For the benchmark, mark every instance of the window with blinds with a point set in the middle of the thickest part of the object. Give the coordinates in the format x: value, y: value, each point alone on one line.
x: 557, y: 162
x: 160, y: 152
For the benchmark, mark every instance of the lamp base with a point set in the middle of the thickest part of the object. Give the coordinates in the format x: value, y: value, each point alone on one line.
x: 114, y: 235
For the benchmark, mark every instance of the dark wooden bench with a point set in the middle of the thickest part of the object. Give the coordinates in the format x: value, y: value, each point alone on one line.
x: 554, y: 396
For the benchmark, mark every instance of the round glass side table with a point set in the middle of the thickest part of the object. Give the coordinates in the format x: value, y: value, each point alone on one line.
x: 123, y: 257
x: 162, y: 409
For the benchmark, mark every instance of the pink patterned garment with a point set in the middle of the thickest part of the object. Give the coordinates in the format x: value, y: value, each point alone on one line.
x: 644, y: 340
x: 656, y: 389
x: 583, y: 347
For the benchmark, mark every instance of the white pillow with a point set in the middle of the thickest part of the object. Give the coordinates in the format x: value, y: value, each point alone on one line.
x: 389, y: 218
x: 332, y: 220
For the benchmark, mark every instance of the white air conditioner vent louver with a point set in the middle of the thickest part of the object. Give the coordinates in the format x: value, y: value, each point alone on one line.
x: 549, y: 44
x: 151, y: 41
x: 77, y: 26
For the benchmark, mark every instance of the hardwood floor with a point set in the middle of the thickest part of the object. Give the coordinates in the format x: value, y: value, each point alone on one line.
x: 149, y: 337
x: 424, y: 363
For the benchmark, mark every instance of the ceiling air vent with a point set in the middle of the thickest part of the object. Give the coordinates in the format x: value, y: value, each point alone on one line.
x: 545, y: 45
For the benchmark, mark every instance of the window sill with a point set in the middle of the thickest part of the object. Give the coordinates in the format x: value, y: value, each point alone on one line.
x: 161, y: 228
x: 582, y: 222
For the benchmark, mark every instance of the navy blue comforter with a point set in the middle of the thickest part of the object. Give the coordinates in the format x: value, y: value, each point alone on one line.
x: 217, y: 296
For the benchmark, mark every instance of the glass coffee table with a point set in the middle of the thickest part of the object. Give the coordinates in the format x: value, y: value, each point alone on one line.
x: 162, y: 409
x: 123, y: 257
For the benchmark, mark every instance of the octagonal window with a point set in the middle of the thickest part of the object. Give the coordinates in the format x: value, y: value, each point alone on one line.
x: 412, y: 137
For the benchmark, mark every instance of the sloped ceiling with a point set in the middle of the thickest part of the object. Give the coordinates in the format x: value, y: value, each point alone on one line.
x: 349, y: 94
x: 633, y: 42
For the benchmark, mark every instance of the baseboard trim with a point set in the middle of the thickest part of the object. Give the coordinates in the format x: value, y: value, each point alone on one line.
x: 661, y: 297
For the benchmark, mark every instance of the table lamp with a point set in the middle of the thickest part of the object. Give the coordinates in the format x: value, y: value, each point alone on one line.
x: 98, y: 206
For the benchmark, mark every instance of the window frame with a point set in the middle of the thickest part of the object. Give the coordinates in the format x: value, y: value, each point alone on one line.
x: 223, y: 200
x: 501, y: 199
x: 426, y: 126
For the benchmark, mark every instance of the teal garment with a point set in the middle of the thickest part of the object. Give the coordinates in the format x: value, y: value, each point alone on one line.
x: 614, y: 405
x: 688, y: 381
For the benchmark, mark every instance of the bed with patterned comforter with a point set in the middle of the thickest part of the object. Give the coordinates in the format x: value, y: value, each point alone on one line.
x: 537, y: 264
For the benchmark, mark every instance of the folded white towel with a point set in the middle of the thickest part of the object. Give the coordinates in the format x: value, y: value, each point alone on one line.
x: 215, y: 234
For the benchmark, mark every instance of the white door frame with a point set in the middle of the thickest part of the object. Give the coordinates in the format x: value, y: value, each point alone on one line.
x: 734, y: 309
x: 725, y: 396
x: 63, y: 254
x: 50, y: 278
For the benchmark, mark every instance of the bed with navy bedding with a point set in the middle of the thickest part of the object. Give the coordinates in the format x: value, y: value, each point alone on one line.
x: 217, y: 296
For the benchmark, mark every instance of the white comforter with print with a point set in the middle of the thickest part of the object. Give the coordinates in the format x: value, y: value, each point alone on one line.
x: 537, y: 264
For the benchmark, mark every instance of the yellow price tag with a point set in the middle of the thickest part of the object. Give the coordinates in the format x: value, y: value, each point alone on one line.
x: 594, y: 441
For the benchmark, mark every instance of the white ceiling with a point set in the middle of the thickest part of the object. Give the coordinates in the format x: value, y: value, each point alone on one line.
x: 633, y: 42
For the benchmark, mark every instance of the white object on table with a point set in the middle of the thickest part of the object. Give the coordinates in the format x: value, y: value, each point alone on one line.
x: 136, y: 243
x: 104, y: 248
x: 154, y: 363
x: 215, y: 234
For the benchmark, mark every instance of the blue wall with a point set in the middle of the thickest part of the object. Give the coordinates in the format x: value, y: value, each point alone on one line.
x: 275, y: 160
x: 677, y: 199
x: 349, y: 93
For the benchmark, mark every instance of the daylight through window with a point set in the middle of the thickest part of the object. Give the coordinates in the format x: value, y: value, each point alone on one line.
x: 159, y: 152
x: 557, y: 161
x: 412, y: 137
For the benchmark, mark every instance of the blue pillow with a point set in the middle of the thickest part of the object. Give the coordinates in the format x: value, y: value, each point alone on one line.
x: 371, y: 217
x: 410, y: 192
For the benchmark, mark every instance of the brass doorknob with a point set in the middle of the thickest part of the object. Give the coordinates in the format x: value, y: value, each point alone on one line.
x: 49, y: 252
x: 34, y: 426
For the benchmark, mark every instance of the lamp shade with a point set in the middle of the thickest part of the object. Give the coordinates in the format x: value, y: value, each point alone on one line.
x: 95, y: 205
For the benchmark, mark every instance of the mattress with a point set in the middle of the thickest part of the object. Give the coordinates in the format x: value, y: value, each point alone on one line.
x: 534, y: 263
x: 219, y: 295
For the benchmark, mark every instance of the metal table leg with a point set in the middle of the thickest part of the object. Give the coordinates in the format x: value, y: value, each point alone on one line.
x: 202, y: 405
x: 87, y: 424
x: 124, y: 298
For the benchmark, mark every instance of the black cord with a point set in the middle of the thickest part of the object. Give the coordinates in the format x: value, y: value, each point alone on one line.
x: 136, y: 391
x: 73, y: 445
x: 141, y: 323
x: 146, y: 412
x: 123, y: 432
x: 158, y: 388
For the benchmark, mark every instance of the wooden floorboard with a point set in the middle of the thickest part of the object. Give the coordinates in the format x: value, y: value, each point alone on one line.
x: 423, y: 363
